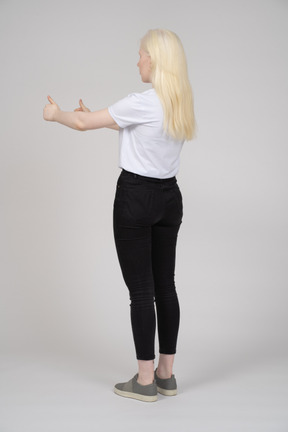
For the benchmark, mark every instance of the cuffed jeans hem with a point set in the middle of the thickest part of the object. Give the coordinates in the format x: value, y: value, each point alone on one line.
x: 167, y: 352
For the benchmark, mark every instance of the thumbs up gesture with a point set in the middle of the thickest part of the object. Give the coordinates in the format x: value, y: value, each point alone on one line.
x: 82, y: 107
x: 50, y: 110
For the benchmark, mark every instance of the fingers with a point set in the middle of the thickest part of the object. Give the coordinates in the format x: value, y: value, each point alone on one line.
x: 83, y: 107
x: 50, y: 100
x: 50, y: 110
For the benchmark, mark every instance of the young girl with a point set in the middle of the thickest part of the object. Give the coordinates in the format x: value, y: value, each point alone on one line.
x: 152, y: 126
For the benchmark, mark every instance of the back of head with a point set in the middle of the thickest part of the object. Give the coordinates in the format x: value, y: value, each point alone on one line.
x: 170, y: 79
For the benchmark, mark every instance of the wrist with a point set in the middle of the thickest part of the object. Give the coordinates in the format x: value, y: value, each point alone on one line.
x: 56, y: 115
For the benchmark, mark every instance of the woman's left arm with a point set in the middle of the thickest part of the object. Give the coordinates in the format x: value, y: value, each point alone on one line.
x: 79, y: 120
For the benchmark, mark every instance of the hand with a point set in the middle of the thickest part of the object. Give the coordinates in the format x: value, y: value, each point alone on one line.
x: 50, y: 110
x: 82, y: 107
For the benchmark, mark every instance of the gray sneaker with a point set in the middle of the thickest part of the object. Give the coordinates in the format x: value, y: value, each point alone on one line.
x: 167, y: 387
x: 132, y: 389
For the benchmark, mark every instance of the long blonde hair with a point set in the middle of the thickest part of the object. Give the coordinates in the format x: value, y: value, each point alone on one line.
x: 170, y: 80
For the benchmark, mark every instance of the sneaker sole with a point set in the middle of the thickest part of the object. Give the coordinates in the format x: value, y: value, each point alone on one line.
x: 167, y: 392
x: 137, y: 396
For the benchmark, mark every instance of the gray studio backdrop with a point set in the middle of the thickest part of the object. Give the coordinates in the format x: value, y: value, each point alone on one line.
x: 61, y: 286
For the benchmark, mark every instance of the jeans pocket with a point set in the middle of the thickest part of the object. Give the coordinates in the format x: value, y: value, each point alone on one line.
x: 119, y: 201
x: 140, y: 205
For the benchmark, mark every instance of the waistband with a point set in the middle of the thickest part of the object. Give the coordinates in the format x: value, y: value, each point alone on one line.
x: 149, y: 179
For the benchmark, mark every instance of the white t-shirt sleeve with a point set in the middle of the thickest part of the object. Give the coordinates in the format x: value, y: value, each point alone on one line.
x: 131, y: 110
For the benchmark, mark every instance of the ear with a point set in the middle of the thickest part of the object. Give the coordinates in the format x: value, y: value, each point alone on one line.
x: 150, y: 63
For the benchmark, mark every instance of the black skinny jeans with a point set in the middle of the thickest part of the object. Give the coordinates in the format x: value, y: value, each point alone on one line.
x: 147, y: 217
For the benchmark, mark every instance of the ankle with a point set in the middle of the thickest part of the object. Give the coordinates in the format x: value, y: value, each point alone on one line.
x: 165, y: 366
x: 145, y: 379
x: 163, y: 373
x: 145, y: 372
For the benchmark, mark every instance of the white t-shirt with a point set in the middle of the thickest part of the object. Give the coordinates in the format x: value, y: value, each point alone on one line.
x: 144, y: 148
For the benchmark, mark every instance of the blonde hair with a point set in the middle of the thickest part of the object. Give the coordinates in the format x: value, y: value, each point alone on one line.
x: 169, y: 76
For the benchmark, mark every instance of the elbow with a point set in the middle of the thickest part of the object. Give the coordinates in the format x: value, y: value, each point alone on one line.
x: 79, y: 122
x: 80, y: 126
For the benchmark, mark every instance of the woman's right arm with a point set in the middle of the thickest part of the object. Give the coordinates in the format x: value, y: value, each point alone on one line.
x: 83, y: 108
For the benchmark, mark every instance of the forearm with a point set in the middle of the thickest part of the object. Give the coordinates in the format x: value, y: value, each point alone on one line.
x: 69, y: 119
